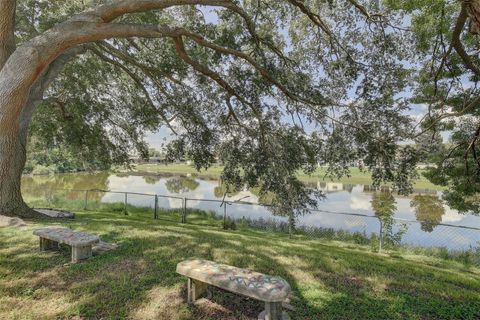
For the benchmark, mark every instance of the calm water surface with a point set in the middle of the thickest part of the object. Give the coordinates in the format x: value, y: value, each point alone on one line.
x: 424, y: 206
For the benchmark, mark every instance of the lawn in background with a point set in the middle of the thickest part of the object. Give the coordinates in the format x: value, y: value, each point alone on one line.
x: 356, y: 175
x: 330, y: 279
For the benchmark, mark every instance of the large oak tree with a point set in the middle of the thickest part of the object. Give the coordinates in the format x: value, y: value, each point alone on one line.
x: 271, y: 87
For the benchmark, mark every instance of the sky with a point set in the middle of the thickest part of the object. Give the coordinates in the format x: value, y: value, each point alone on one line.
x: 159, y: 138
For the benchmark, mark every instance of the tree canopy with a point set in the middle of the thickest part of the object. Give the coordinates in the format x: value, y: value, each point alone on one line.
x: 268, y: 87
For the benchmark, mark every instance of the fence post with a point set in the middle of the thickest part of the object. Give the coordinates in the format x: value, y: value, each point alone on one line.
x: 381, y: 236
x: 155, y: 213
x: 126, y: 203
x: 86, y: 200
x: 184, y: 213
x: 224, y: 215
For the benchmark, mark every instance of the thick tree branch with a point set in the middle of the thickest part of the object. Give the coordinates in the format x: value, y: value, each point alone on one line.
x: 180, y: 47
x: 114, y: 9
x: 263, y: 72
x: 457, y: 44
x: 35, y: 55
x: 473, y: 10
x: 149, y: 71
x: 31, y: 59
x: 110, y: 12
x: 360, y: 8
x: 7, y: 28
x: 41, y: 85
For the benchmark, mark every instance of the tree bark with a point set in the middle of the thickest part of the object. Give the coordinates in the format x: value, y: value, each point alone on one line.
x: 13, y: 144
x: 473, y: 10
x: 12, y: 162
x: 7, y: 27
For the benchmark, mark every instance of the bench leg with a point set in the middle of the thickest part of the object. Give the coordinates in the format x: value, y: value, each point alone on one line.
x: 196, y: 289
x: 46, y: 244
x: 273, y: 311
x: 81, y: 253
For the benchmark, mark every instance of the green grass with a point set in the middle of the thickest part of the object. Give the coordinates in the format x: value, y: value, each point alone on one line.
x: 330, y: 279
x: 356, y: 176
x: 214, y: 171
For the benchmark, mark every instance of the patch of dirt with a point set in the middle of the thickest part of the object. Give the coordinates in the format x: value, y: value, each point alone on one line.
x: 11, y: 222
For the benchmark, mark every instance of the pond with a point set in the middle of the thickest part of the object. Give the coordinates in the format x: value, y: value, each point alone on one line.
x: 427, y: 221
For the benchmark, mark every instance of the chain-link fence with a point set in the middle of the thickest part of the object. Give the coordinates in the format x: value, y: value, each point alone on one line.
x: 360, y: 228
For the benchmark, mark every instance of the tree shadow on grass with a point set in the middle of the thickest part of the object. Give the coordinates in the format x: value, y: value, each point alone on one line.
x: 114, y: 284
x: 160, y: 255
x: 328, y: 282
x: 370, y: 286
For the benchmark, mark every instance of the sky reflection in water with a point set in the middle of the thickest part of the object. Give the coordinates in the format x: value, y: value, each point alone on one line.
x: 424, y: 206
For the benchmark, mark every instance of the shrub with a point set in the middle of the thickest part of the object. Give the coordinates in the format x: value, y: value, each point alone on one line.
x: 43, y: 170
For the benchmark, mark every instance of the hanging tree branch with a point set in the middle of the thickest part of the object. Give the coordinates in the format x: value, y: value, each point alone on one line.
x: 457, y: 43
x: 137, y: 81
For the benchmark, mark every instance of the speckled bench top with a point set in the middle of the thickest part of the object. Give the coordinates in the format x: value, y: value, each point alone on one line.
x: 249, y: 283
x: 67, y: 236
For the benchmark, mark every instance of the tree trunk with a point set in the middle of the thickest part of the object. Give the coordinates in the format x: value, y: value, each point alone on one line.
x: 12, y: 162
x: 7, y: 27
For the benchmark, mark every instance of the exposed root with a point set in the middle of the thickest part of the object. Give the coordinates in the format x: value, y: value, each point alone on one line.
x: 25, y: 212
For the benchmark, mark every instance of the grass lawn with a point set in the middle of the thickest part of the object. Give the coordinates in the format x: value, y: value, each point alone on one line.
x: 330, y: 279
x: 356, y: 176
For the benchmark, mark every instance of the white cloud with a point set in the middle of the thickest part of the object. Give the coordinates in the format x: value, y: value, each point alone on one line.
x: 452, y: 216
x: 360, y: 203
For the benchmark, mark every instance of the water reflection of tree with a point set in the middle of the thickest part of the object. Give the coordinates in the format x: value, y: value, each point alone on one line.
x: 384, y: 206
x: 151, y: 179
x: 58, y: 186
x: 263, y: 198
x: 222, y: 189
x: 77, y: 181
x: 348, y: 187
x: 181, y: 184
x: 428, y: 211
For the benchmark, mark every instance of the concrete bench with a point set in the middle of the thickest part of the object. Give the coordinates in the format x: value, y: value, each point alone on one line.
x: 202, y: 273
x: 81, y: 242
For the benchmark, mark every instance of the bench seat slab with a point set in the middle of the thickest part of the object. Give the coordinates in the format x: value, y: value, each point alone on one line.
x: 67, y: 236
x: 249, y: 283
x: 81, y: 242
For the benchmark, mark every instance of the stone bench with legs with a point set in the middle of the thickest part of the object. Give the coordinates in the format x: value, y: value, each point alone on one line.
x: 202, y: 273
x: 81, y: 243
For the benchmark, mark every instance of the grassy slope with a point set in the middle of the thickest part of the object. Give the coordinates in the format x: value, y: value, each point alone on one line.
x: 356, y: 176
x: 330, y: 280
